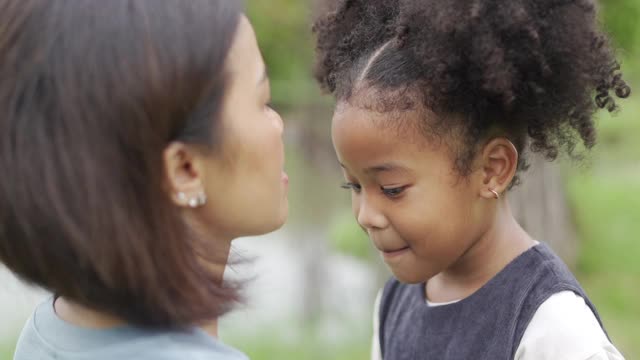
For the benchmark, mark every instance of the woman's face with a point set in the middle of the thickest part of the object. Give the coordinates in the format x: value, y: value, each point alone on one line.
x: 244, y: 181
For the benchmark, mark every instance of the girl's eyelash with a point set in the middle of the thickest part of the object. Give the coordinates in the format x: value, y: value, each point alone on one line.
x: 389, y: 192
x: 393, y: 192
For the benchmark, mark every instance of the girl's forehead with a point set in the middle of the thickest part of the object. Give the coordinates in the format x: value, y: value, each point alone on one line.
x: 384, y: 128
x: 366, y: 141
x: 363, y: 140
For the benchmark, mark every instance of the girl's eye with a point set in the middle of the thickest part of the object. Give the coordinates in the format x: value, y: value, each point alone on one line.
x: 393, y: 192
x: 351, y: 186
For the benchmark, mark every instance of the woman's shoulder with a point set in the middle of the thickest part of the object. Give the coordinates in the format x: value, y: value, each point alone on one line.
x: 195, y: 344
x: 45, y: 336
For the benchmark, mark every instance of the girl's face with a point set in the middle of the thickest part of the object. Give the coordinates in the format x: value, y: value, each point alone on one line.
x: 418, y: 211
x: 245, y: 182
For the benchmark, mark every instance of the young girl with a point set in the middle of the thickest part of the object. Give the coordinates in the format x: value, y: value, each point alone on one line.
x: 438, y: 104
x: 136, y: 142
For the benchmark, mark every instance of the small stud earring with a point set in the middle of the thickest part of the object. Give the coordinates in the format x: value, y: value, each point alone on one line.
x: 495, y: 193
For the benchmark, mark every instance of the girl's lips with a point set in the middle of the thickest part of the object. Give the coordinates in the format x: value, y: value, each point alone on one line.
x: 390, y: 254
x: 285, y: 178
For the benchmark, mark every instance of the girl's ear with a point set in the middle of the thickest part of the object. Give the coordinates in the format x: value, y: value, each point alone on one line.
x: 499, y: 162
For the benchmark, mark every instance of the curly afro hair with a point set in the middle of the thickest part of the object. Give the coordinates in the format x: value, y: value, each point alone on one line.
x: 536, y: 71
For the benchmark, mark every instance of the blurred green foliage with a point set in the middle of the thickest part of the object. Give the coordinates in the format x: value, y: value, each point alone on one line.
x: 620, y: 19
x: 605, y: 199
x: 347, y: 237
x: 283, y: 28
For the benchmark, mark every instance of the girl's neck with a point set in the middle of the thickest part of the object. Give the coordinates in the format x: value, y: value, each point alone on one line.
x: 488, y: 255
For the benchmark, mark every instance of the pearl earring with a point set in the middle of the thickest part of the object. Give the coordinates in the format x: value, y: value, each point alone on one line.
x: 194, y: 202
x: 198, y: 201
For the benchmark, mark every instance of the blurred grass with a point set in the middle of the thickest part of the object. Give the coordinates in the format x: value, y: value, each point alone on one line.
x: 304, y: 342
x: 605, y: 198
x: 6, y: 350
x: 264, y: 349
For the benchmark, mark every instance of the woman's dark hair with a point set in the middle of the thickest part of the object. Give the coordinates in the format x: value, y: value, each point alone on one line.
x: 91, y: 93
x: 534, y: 70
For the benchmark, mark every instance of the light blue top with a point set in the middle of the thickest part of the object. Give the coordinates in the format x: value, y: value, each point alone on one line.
x: 47, y: 337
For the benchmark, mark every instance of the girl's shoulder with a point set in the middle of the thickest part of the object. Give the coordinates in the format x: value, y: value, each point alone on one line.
x: 565, y: 327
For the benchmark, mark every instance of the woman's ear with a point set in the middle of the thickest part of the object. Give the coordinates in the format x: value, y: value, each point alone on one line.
x: 499, y: 164
x: 184, y: 175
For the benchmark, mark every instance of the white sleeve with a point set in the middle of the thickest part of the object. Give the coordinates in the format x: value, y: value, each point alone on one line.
x: 376, y: 353
x: 564, y: 327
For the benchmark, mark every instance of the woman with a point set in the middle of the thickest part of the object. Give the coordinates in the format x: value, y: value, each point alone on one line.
x: 137, y: 142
